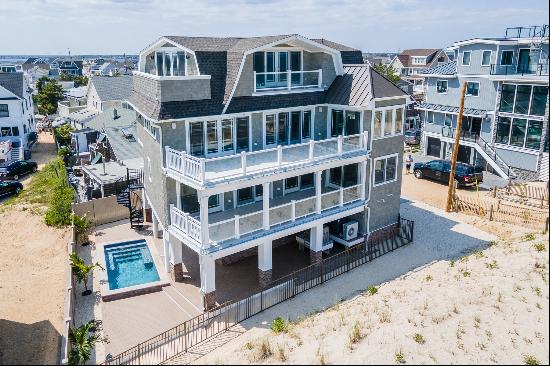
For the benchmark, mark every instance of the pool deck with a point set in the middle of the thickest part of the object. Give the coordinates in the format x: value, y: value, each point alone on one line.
x: 131, y: 320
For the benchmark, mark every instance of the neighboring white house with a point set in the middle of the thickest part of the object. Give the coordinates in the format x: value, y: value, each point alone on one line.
x: 106, y: 92
x: 16, y: 110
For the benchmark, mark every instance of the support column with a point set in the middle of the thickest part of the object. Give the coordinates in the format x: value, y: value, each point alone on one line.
x: 265, y: 201
x: 147, y: 210
x: 363, y: 187
x: 178, y: 195
x: 176, y: 266
x: 265, y: 263
x: 318, y: 186
x: 167, y: 251
x: 205, y: 234
x: 316, y: 243
x: 155, y: 227
x: 208, y: 281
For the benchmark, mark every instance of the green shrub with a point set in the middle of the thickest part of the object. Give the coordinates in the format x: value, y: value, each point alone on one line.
x: 372, y: 290
x: 279, y: 325
x: 63, y: 151
x: 419, y: 338
x: 529, y: 237
x: 60, y: 211
x: 540, y: 247
x: 530, y: 360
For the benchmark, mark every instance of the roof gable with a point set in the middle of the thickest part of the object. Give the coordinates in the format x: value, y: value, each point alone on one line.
x: 112, y: 88
x: 13, y: 82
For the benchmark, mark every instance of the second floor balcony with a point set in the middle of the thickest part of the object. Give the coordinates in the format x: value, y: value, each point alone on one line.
x: 198, y: 172
x: 287, y: 80
x: 522, y: 70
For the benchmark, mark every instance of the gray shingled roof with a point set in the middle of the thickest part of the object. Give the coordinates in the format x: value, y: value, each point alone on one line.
x: 106, y: 119
x: 13, y: 82
x: 123, y: 142
x: 448, y: 68
x: 112, y: 88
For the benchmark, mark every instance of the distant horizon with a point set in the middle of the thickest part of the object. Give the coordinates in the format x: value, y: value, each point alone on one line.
x: 112, y: 27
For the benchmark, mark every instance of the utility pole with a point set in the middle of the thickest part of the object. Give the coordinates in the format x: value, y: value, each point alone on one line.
x: 451, y: 192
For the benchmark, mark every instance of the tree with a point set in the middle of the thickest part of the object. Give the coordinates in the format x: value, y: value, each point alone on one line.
x: 40, y: 83
x: 82, y: 271
x: 48, y: 97
x: 79, y: 80
x: 83, y: 340
x: 63, y: 134
x: 388, y: 72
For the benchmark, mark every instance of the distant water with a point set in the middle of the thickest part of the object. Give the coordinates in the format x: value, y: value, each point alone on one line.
x: 19, y: 59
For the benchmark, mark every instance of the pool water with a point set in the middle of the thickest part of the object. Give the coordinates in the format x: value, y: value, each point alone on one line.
x: 129, y: 264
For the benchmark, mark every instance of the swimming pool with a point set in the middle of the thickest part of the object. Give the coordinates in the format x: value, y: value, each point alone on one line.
x: 129, y: 264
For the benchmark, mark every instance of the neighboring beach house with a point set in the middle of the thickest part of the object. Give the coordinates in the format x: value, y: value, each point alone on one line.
x: 107, y: 92
x: 250, y: 140
x: 505, y: 124
x: 16, y: 112
x: 410, y: 64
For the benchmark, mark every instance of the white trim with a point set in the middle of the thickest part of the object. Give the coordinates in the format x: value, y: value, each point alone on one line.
x: 500, y: 60
x: 160, y: 42
x: 162, y: 78
x: 385, y: 157
x: 490, y: 57
x: 383, y: 122
x: 469, y: 60
x: 517, y: 148
x: 446, y: 88
x: 478, y: 89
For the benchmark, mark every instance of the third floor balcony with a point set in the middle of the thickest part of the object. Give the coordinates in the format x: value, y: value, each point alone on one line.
x: 287, y: 80
x: 198, y: 172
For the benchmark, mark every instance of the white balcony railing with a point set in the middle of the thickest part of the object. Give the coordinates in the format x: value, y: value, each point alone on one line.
x: 219, y: 169
x: 287, y: 80
x: 241, y: 225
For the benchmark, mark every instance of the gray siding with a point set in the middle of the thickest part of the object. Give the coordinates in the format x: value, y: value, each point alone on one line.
x: 323, y: 61
x: 172, y: 90
x: 156, y: 186
x: 519, y: 159
x: 175, y: 138
x: 485, y: 100
x: 389, y: 102
x: 476, y: 55
x: 385, y: 199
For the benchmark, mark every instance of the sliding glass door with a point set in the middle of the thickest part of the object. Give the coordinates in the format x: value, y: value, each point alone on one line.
x: 196, y: 138
x: 243, y: 134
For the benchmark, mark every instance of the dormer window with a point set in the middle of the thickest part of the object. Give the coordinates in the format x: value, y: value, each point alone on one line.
x: 272, y: 68
x: 419, y: 60
x: 170, y: 63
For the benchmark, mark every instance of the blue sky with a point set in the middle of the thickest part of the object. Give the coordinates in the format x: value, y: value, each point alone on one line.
x: 118, y: 26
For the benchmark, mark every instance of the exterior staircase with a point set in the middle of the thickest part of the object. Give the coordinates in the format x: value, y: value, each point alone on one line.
x: 129, y: 195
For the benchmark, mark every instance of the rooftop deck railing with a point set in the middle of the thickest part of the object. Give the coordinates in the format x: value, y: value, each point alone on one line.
x: 221, y: 169
x: 527, y: 32
x: 287, y: 80
x: 540, y: 69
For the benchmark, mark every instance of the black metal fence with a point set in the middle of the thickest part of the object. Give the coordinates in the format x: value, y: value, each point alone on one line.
x: 179, y: 339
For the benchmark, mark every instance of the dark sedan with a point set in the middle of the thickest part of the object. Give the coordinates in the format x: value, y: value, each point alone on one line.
x: 16, y: 169
x: 465, y: 174
x: 8, y: 187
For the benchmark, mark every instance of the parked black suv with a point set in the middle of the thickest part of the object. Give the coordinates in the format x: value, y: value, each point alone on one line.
x: 465, y: 174
x: 10, y: 187
x: 17, y: 169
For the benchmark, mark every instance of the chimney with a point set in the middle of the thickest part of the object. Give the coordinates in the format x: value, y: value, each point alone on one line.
x: 115, y: 114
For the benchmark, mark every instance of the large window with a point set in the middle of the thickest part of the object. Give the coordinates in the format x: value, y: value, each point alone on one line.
x: 345, y: 123
x: 388, y: 122
x: 466, y: 56
x: 524, y: 99
x: 9, y: 131
x: 486, y: 58
x: 271, y: 68
x: 519, y: 132
x: 472, y: 88
x: 217, y: 136
x: 385, y: 169
x: 345, y: 176
x: 441, y: 86
x: 507, y: 58
x: 4, y: 111
x: 171, y: 63
x: 287, y: 127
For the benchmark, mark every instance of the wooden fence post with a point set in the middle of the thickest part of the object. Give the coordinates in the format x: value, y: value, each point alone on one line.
x: 491, y: 213
x: 546, y: 226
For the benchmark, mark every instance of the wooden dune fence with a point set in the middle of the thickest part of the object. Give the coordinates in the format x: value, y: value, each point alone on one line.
x: 496, y: 210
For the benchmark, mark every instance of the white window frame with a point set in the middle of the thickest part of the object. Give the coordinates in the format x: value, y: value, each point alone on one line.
x: 218, y: 120
x: 446, y: 87
x: 289, y: 111
x: 385, y: 157
x: 254, y: 197
x: 462, y: 58
x: 501, y: 53
x: 383, y: 121
x: 344, y: 110
x: 172, y: 51
x: 490, y: 57
x: 478, y: 89
x: 298, y: 188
